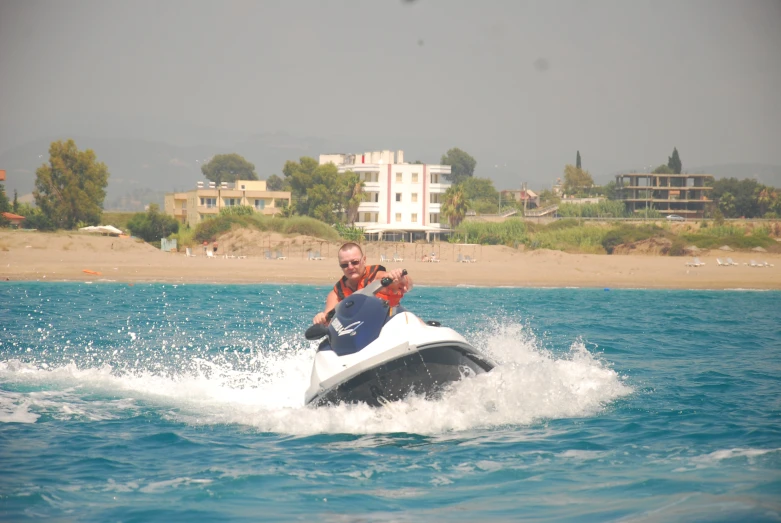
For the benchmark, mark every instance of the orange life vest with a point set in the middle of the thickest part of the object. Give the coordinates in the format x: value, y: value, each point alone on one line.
x: 342, y: 290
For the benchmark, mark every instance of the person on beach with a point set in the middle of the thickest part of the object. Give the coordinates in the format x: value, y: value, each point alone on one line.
x: 357, y: 275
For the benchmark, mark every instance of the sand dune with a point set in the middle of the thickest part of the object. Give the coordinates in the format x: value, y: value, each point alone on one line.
x: 64, y: 256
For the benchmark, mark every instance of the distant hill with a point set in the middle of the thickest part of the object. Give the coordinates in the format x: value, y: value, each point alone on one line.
x: 142, y: 171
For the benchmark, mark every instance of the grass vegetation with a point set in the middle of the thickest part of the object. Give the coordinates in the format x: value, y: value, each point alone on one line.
x: 571, y: 235
x: 209, y: 230
x: 568, y: 234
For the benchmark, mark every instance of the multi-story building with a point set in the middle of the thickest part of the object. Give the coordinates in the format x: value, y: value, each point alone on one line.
x: 682, y: 194
x: 400, y: 197
x: 208, y: 198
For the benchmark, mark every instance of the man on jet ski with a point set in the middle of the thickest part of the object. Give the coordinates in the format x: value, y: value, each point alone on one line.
x: 358, y: 275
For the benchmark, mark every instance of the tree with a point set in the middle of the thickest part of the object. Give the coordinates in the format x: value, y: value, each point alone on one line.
x: 480, y: 189
x: 71, y: 187
x: 275, y: 183
x: 576, y: 181
x: 727, y: 205
x: 15, y: 205
x: 609, y: 190
x: 577, y: 161
x: 767, y: 200
x: 454, y: 205
x: 674, y: 162
x: 743, y: 195
x: 663, y: 169
x: 300, y: 175
x: 228, y: 168
x: 152, y: 225
x: 353, y: 195
x: 462, y: 165
x: 321, y: 191
x: 5, y: 206
x: 548, y: 197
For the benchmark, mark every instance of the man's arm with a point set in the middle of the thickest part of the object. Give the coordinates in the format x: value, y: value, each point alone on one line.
x: 330, y: 302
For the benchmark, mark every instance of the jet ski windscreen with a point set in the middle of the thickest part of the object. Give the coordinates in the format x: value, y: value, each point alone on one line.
x: 357, y: 322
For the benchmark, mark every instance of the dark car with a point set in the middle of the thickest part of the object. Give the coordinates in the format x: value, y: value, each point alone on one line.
x: 675, y: 218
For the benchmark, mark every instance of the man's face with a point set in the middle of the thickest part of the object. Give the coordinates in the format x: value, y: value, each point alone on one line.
x: 353, y: 264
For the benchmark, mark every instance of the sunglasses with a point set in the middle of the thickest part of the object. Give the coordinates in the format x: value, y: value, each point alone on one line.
x: 354, y: 263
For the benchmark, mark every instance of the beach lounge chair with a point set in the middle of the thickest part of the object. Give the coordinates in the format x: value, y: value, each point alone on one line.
x: 730, y: 262
x: 397, y: 258
x: 697, y: 262
x: 229, y: 256
x: 460, y: 259
x: 317, y: 256
x: 434, y: 259
x: 384, y: 259
x: 210, y: 254
x: 469, y: 259
x: 766, y: 264
x: 267, y: 255
x: 279, y: 256
x: 188, y: 252
x: 753, y: 263
x: 721, y: 263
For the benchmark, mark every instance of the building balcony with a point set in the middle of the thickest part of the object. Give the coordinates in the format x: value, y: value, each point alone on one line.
x: 371, y: 186
x: 369, y: 207
x: 664, y: 188
x: 180, y: 212
x: 208, y: 209
x: 439, y: 188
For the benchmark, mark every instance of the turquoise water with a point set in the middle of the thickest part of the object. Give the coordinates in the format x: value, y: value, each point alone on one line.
x: 185, y: 403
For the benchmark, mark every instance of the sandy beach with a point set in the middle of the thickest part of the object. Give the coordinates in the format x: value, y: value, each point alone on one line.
x: 241, y: 258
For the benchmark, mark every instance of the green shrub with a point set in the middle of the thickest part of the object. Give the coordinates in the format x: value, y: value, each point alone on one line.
x: 677, y: 247
x: 237, y: 210
x: 152, y: 225
x: 510, y: 232
x: 353, y: 234
x: 626, y: 233
x: 584, y: 238
x: 208, y: 230
x: 603, y: 209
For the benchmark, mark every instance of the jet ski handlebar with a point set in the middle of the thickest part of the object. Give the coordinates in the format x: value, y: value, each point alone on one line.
x: 375, y: 286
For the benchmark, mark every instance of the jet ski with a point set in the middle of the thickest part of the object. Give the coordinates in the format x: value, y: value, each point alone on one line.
x: 373, y: 353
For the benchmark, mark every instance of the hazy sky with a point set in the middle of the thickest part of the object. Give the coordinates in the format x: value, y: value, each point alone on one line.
x: 519, y: 83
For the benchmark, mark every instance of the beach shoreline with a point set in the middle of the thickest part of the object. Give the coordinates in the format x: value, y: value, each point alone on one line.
x: 78, y: 257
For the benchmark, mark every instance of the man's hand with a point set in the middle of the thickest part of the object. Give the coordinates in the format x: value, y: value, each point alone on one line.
x: 320, y: 319
x: 401, y: 282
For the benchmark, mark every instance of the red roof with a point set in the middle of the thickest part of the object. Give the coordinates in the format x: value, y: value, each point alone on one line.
x: 12, y: 216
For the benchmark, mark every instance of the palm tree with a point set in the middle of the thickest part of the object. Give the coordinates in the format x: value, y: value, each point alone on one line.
x: 454, y: 205
x: 353, y: 196
x: 766, y: 198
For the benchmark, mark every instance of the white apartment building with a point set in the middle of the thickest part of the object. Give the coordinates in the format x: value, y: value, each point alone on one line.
x: 400, y: 197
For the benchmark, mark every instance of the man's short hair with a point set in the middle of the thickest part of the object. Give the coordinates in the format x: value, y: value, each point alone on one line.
x: 351, y: 245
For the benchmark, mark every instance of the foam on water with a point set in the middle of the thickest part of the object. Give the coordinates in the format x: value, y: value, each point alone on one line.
x: 264, y: 388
